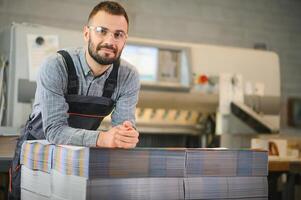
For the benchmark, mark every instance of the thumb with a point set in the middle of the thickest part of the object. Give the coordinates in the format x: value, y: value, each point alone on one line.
x: 127, y: 124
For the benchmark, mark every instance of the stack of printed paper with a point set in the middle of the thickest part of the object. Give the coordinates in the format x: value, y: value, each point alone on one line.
x: 63, y: 187
x: 37, y: 155
x: 119, y: 163
x: 224, y: 162
x: 140, y: 173
x: 224, y: 173
x: 71, y: 172
x: 36, y: 160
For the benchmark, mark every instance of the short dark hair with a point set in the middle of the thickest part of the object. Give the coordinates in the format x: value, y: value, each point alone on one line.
x: 110, y: 7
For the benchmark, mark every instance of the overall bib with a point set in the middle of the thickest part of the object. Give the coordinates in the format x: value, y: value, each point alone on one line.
x: 85, y: 112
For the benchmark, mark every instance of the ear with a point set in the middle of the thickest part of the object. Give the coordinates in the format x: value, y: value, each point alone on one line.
x: 86, y: 33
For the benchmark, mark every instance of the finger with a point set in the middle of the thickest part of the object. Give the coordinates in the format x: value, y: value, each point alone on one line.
x: 121, y: 144
x: 129, y: 146
x: 127, y: 124
x: 122, y: 127
x: 128, y: 133
x: 127, y: 139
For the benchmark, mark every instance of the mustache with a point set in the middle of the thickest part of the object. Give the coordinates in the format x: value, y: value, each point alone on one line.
x: 107, y: 47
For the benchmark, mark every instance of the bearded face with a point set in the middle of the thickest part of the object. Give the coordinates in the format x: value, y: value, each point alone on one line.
x: 104, y: 54
x: 106, y: 36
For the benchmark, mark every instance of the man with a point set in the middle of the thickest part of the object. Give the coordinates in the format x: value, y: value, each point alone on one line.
x: 77, y: 88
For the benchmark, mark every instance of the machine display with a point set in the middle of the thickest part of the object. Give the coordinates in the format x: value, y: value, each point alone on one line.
x: 145, y: 59
x: 158, y: 65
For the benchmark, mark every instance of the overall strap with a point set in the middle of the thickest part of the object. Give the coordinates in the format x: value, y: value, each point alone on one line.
x: 73, y: 84
x: 111, y: 82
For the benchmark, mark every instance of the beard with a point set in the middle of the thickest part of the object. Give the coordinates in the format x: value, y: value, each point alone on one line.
x: 103, y: 60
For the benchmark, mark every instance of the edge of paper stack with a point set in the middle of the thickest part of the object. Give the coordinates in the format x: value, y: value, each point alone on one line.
x: 72, y: 172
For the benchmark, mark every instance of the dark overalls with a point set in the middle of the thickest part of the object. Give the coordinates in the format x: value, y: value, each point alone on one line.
x: 85, y: 112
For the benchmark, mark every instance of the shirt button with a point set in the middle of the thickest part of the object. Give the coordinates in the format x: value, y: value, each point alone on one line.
x: 30, y: 128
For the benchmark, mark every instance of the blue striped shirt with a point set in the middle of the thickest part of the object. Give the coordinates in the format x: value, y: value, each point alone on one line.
x: 52, y: 87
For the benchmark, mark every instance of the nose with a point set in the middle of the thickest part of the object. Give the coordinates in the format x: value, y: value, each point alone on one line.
x: 110, y: 37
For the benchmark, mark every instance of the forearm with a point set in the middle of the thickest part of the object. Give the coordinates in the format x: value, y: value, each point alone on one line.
x: 71, y: 136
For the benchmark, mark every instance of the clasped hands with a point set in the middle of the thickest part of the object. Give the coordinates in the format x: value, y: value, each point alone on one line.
x: 121, y: 136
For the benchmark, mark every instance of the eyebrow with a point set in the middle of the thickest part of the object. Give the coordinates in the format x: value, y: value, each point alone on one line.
x: 118, y: 30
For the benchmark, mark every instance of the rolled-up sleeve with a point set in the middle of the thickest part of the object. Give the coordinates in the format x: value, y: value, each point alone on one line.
x: 51, y: 87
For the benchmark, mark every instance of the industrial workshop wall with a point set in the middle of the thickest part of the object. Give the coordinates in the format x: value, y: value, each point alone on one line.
x: 232, y: 23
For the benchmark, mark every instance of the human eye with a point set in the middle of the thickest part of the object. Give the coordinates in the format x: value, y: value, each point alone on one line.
x: 119, y: 35
x: 101, y: 30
